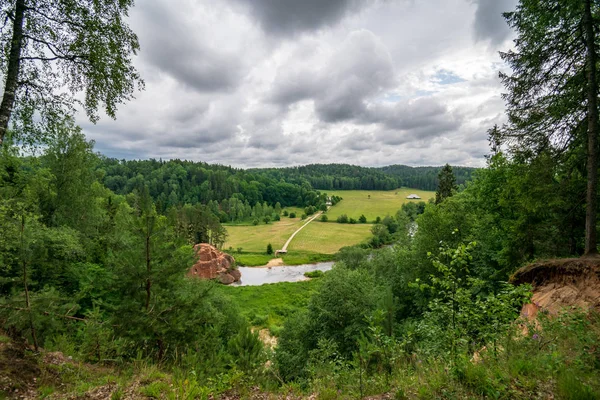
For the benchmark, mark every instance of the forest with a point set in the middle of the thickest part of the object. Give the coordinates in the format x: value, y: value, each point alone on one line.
x: 352, y: 177
x: 94, y: 251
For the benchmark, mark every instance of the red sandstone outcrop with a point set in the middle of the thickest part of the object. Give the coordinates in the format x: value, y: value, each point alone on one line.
x: 561, y: 283
x: 214, y: 264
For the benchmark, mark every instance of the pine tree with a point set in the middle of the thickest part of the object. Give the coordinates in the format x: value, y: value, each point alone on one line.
x: 446, y: 185
x: 552, y: 91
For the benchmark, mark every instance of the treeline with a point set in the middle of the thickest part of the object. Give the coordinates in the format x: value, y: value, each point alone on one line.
x: 176, y: 182
x: 352, y: 177
x: 425, y: 178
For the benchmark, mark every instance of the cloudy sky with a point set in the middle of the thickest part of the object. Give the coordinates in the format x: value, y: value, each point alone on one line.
x: 286, y: 82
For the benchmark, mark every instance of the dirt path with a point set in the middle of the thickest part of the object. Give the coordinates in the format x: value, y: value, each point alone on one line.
x: 284, y: 248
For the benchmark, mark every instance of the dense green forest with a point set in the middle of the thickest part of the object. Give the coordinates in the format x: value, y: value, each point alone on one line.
x: 94, y: 251
x: 352, y: 177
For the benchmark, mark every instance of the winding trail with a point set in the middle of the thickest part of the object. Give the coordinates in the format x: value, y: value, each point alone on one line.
x: 284, y: 248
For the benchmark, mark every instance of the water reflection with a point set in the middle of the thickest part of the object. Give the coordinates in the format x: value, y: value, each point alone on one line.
x: 254, y: 276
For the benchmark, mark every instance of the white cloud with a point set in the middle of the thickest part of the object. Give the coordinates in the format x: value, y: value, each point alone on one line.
x: 363, y: 82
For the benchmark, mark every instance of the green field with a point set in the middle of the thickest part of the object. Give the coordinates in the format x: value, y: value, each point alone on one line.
x: 253, y: 238
x: 380, y: 203
x: 329, y: 238
x: 292, y: 257
x: 317, y: 237
x: 267, y: 306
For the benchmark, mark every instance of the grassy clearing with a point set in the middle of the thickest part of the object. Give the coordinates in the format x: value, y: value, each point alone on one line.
x: 267, y: 306
x: 329, y: 238
x: 380, y: 203
x: 248, y: 259
x: 254, y: 239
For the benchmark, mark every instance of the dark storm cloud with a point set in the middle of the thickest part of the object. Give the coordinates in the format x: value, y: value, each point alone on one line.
x: 168, y: 43
x: 287, y: 17
x: 489, y: 23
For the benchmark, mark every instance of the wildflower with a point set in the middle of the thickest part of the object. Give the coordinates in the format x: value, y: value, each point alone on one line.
x: 535, y: 336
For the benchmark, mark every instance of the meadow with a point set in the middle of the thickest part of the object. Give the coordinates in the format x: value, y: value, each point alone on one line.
x: 267, y: 306
x: 254, y: 238
x: 372, y: 203
x: 317, y: 240
x: 329, y: 238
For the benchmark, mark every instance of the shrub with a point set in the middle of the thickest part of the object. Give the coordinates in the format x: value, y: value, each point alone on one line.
x: 292, y: 215
x: 255, y: 222
x: 362, y: 219
x: 303, y: 216
x: 276, y: 217
x: 324, y: 218
x: 342, y: 219
x: 269, y: 249
x: 352, y: 221
x: 285, y: 213
x: 314, y: 274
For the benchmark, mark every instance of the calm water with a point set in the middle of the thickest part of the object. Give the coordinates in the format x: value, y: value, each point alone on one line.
x: 259, y: 276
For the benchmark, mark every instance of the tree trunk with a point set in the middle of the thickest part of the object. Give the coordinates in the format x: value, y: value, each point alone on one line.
x: 592, y: 117
x: 25, y: 286
x: 148, y: 265
x: 12, y: 73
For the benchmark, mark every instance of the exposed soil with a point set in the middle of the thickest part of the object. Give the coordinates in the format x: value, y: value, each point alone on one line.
x: 275, y: 262
x: 561, y: 283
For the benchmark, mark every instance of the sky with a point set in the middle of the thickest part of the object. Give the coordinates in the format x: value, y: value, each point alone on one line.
x: 260, y: 83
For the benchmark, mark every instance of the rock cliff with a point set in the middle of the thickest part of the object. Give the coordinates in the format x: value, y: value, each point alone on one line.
x: 561, y: 283
x: 214, y: 264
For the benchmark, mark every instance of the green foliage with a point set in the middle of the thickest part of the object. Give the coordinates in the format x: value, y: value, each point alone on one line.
x: 303, y: 216
x: 314, y: 274
x: 246, y: 350
x: 63, y: 50
x: 269, y: 249
x: 337, y: 311
x: 362, y: 219
x: 446, y: 185
x: 292, y: 215
x: 342, y: 219
x: 462, y: 319
x: 324, y: 218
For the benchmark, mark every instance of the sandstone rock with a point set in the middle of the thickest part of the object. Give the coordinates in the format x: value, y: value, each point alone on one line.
x: 226, y: 279
x: 214, y: 264
x: 561, y: 283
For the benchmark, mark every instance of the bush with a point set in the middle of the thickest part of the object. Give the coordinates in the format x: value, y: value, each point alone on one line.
x: 324, y: 218
x: 255, y: 222
x: 362, y: 219
x: 314, y: 274
x: 276, y: 217
x: 292, y: 215
x: 342, y: 219
x: 285, y: 213
x: 267, y: 219
x: 352, y: 221
x: 303, y: 216
x: 269, y: 249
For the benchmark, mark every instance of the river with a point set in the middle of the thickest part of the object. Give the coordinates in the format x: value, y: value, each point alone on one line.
x: 255, y: 276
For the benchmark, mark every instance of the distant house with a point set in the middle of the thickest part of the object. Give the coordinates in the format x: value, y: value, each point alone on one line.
x: 413, y: 197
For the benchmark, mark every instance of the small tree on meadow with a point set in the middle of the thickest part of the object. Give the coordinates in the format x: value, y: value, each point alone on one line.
x: 362, y: 219
x: 269, y: 249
